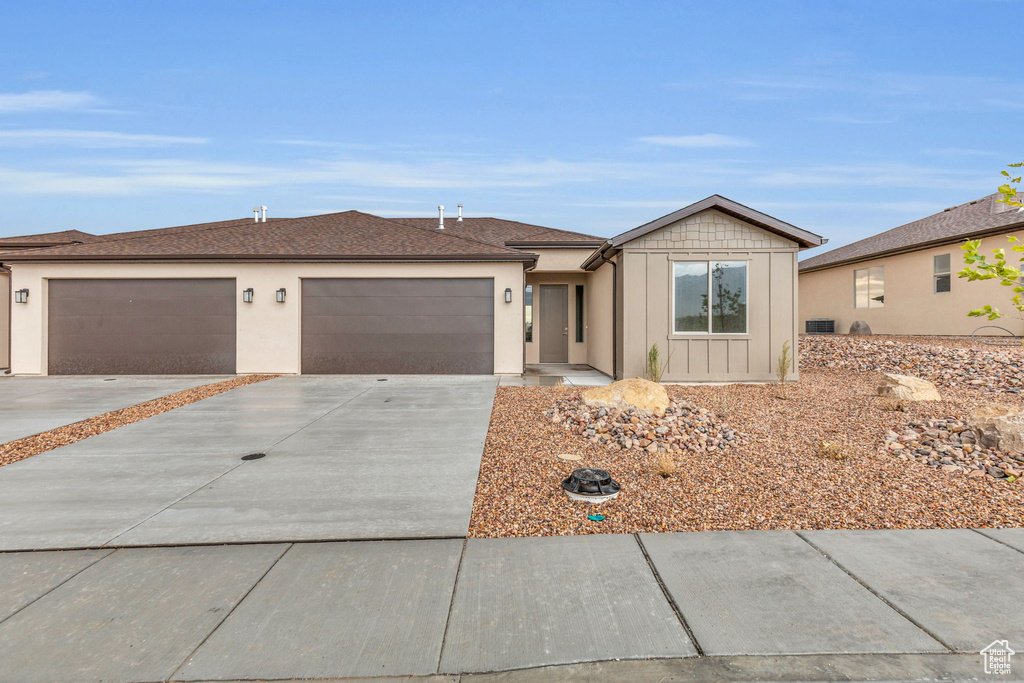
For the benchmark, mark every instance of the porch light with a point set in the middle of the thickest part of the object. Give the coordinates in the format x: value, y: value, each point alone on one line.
x: 508, y: 295
x: 247, y: 295
x: 280, y: 295
x: 21, y: 296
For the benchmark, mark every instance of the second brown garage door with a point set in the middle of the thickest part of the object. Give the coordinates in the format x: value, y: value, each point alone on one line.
x: 398, y: 326
x: 141, y: 327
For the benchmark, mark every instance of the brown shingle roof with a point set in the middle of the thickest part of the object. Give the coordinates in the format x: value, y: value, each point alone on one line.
x: 338, y: 236
x: 44, y: 239
x: 500, y: 232
x: 973, y: 219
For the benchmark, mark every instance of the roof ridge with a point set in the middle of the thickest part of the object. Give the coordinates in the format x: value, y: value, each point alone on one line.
x: 437, y: 232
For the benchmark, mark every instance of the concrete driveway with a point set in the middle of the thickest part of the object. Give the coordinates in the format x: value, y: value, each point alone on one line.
x: 346, y: 458
x: 30, y: 405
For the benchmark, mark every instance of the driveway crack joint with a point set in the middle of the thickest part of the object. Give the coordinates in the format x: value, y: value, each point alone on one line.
x: 668, y: 597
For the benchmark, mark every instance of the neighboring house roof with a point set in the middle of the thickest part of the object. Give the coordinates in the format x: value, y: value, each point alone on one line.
x: 981, y: 217
x: 45, y: 239
x: 802, y: 237
x: 504, y: 233
x: 350, y: 235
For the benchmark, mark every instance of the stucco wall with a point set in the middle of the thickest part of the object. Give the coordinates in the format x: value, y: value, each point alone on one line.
x: 647, y: 296
x: 560, y: 260
x: 268, y: 332
x: 911, y: 304
x: 577, y: 350
x: 6, y: 298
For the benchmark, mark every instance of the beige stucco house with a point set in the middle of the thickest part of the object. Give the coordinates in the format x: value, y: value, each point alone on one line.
x: 713, y: 284
x: 904, y: 280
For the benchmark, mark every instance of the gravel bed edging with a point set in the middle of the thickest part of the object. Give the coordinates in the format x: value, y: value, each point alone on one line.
x: 13, y: 451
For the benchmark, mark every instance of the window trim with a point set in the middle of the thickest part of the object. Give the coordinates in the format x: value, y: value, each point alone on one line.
x: 948, y: 274
x: 869, y: 306
x: 674, y: 334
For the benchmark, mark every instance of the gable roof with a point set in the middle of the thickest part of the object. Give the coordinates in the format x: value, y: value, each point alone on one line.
x: 349, y: 235
x: 501, y: 232
x: 44, y: 239
x: 802, y: 237
x: 978, y: 218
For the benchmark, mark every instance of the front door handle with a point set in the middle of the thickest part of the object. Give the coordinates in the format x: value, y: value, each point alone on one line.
x: 566, y: 331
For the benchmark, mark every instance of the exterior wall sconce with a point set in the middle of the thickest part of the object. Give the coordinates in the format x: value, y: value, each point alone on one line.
x: 247, y: 295
x: 508, y: 295
x: 21, y: 296
x: 280, y: 295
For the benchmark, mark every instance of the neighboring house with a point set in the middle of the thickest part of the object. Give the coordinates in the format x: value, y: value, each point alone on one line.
x: 904, y: 280
x: 353, y: 293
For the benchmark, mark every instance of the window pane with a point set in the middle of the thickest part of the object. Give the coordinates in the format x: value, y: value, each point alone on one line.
x: 860, y: 288
x: 876, y: 287
x: 942, y: 283
x: 729, y: 297
x: 579, y: 313
x: 528, y: 313
x: 691, y: 297
x: 941, y: 264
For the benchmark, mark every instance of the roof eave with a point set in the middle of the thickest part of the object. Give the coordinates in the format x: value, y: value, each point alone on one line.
x: 272, y: 258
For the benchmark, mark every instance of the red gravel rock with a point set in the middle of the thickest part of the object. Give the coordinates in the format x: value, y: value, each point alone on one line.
x: 62, y: 436
x: 774, y: 479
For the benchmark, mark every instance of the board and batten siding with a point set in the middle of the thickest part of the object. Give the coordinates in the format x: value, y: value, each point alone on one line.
x: 771, y: 300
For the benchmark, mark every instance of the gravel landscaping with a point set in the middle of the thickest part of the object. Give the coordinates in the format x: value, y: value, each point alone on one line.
x: 62, y: 436
x: 812, y: 460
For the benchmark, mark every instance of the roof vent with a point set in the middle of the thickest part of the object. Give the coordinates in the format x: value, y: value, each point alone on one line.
x: 263, y: 212
x: 459, y: 220
x: 440, y: 216
x: 256, y: 211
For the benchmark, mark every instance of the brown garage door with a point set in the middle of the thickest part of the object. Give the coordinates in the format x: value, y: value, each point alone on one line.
x: 142, y: 327
x: 398, y: 326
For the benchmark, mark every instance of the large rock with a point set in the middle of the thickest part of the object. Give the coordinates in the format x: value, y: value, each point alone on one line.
x: 907, y: 388
x: 647, y: 397
x: 998, y: 425
x: 860, y: 327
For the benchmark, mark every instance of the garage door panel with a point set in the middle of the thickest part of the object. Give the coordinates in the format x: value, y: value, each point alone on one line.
x: 401, y: 326
x: 418, y: 363
x: 141, y: 326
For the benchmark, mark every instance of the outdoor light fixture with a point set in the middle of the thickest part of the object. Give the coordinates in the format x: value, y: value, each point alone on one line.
x: 508, y: 295
x: 280, y: 295
x: 247, y: 295
x: 21, y: 296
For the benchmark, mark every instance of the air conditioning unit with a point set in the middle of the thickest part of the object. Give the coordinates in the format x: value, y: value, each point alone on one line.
x: 820, y: 326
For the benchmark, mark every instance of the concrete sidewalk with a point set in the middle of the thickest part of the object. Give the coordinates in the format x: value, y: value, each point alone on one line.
x: 814, y: 605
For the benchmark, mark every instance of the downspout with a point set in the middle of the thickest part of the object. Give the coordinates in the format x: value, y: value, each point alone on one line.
x: 615, y: 313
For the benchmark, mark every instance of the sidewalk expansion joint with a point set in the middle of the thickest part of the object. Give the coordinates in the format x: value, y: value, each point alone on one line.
x: 980, y: 532
x: 668, y: 597
x: 451, y: 606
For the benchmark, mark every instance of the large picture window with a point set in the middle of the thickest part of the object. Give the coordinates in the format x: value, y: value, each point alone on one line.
x: 869, y: 287
x: 709, y: 297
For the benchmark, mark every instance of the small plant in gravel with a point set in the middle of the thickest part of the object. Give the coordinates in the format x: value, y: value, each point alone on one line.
x: 891, y: 403
x: 834, y: 450
x: 782, y: 368
x: 723, y: 402
x: 665, y: 464
x: 654, y: 368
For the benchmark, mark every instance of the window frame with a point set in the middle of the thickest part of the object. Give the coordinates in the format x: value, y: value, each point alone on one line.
x: 948, y: 274
x: 528, y: 307
x: 580, y: 302
x: 674, y: 334
x: 881, y: 304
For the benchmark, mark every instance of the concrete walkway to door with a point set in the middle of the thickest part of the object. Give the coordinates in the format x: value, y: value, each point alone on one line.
x: 346, y: 458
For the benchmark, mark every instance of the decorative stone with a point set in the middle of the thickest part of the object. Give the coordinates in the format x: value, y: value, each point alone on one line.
x: 907, y: 388
x: 860, y: 327
x: 999, y: 426
x: 649, y: 398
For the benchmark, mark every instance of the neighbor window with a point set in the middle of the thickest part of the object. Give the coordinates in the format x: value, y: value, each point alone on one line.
x: 709, y: 297
x: 528, y: 312
x: 579, y: 313
x: 942, y: 275
x: 869, y: 288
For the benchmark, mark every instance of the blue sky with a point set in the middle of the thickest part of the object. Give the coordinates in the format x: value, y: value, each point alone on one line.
x: 844, y: 118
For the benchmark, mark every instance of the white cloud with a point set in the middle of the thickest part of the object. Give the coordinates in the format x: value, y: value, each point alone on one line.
x: 872, y: 175
x: 47, y: 100
x: 704, y: 141
x: 90, y: 138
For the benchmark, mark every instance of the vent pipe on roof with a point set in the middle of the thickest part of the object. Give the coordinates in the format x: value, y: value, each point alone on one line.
x: 440, y: 216
x: 255, y: 214
x: 263, y: 212
x: 460, y: 214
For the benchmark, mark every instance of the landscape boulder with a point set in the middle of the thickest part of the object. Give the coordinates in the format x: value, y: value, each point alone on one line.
x: 860, y: 327
x: 907, y: 388
x: 999, y: 426
x: 649, y: 398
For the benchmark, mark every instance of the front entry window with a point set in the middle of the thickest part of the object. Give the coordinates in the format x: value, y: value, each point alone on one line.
x: 710, y: 297
x: 528, y: 312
